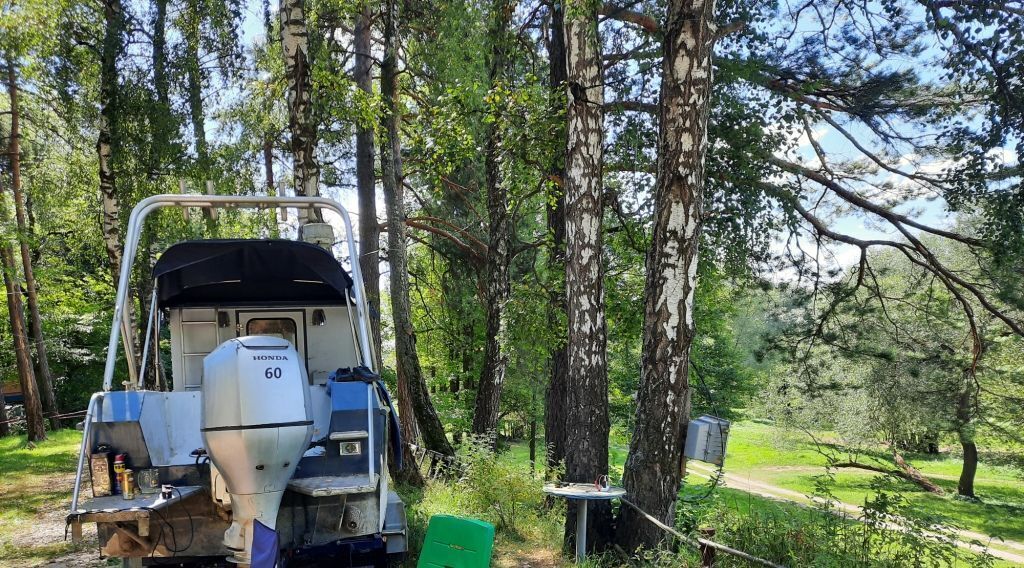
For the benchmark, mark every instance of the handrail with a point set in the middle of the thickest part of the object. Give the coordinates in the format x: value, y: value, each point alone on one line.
x: 153, y: 203
x: 94, y: 402
x: 141, y: 380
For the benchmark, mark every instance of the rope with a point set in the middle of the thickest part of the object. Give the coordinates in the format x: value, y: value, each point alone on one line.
x: 698, y: 543
x: 48, y: 417
x: 437, y: 456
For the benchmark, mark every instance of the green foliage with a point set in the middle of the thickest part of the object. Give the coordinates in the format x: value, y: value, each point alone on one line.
x: 495, y: 488
x: 505, y: 491
x: 821, y: 537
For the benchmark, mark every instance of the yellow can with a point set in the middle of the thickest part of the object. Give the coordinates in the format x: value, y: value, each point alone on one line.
x: 128, y: 485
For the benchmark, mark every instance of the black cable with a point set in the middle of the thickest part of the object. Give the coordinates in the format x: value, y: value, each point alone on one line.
x: 174, y: 550
x: 174, y: 537
x: 191, y: 524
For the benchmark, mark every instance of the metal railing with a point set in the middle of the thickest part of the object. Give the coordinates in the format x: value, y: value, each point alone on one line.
x: 90, y: 412
x: 120, y: 325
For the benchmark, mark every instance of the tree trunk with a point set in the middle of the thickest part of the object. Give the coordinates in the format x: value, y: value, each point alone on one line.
x: 194, y: 78
x: 160, y: 119
x: 369, y: 231
x: 193, y: 22
x: 104, y: 145
x: 108, y: 134
x: 297, y: 62
x: 586, y: 418
x: 5, y: 428
x: 554, y: 416
x: 965, y: 486
x: 410, y: 376
x: 965, y: 433
x: 911, y: 473
x: 34, y: 426
x: 44, y: 378
x: 410, y: 471
x: 654, y: 467
x: 903, y: 470
x: 492, y: 374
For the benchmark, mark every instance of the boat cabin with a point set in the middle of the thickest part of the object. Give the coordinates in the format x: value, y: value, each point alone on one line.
x: 259, y: 330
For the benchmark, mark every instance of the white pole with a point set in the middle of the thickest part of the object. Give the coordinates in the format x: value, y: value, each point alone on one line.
x: 581, y: 529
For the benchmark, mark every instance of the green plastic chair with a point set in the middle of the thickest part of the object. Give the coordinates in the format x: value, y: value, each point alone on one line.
x: 455, y: 542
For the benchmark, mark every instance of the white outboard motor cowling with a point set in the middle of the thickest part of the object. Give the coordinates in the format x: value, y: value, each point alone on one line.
x: 256, y: 424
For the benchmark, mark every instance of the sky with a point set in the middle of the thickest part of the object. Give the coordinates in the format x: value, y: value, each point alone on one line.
x: 929, y: 210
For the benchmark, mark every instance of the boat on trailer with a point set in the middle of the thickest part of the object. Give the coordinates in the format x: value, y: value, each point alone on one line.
x: 271, y: 442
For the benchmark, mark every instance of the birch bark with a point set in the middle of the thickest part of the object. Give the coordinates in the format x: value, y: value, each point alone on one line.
x: 587, y: 422
x: 654, y: 468
x: 110, y: 223
x: 297, y: 69
x: 112, y: 45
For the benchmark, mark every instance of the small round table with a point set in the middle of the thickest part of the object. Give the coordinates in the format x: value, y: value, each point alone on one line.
x: 583, y: 493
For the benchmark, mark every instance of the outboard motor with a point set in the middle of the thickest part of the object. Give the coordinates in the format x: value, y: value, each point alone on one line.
x: 256, y: 424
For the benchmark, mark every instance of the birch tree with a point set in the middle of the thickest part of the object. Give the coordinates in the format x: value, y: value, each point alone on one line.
x: 587, y: 424
x: 109, y: 51
x: 654, y: 468
x: 297, y: 70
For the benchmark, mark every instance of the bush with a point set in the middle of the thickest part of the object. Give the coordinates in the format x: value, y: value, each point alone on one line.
x: 505, y: 491
x: 493, y: 488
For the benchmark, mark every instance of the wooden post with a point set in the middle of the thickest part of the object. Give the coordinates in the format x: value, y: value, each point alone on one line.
x: 707, y: 553
x: 211, y: 190
x: 182, y: 189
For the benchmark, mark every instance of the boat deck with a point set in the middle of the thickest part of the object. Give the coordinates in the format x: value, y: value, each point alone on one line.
x: 330, y: 485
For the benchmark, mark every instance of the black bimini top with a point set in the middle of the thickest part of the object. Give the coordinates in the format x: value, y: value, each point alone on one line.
x: 193, y: 273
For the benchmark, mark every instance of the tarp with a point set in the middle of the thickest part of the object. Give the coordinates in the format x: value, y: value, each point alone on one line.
x: 267, y: 271
x: 265, y: 546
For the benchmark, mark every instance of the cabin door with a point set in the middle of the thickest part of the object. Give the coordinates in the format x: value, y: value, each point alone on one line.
x: 286, y: 324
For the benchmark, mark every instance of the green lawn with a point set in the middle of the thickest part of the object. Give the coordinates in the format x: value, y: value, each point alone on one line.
x: 761, y: 453
x: 36, y: 487
x: 768, y: 455
x: 35, y: 493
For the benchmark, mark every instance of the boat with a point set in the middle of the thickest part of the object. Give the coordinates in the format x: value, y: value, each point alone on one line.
x: 269, y: 444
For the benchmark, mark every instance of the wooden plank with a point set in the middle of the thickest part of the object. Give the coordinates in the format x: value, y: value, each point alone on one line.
x: 114, y: 516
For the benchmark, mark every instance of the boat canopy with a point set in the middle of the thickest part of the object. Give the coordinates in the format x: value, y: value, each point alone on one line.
x: 240, y: 271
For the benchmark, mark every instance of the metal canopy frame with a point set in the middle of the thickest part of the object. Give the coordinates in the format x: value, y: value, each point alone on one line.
x: 121, y: 323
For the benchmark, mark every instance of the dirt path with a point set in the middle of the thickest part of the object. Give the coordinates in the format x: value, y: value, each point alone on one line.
x: 1009, y: 550
x: 45, y: 534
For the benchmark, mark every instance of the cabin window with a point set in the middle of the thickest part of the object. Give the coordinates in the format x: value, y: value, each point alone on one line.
x: 274, y: 327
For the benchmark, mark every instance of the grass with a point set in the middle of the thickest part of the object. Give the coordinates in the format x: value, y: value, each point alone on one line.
x: 784, y: 520
x: 762, y: 453
x: 35, y: 485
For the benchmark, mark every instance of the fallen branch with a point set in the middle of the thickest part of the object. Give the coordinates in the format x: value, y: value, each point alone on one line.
x: 903, y: 470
